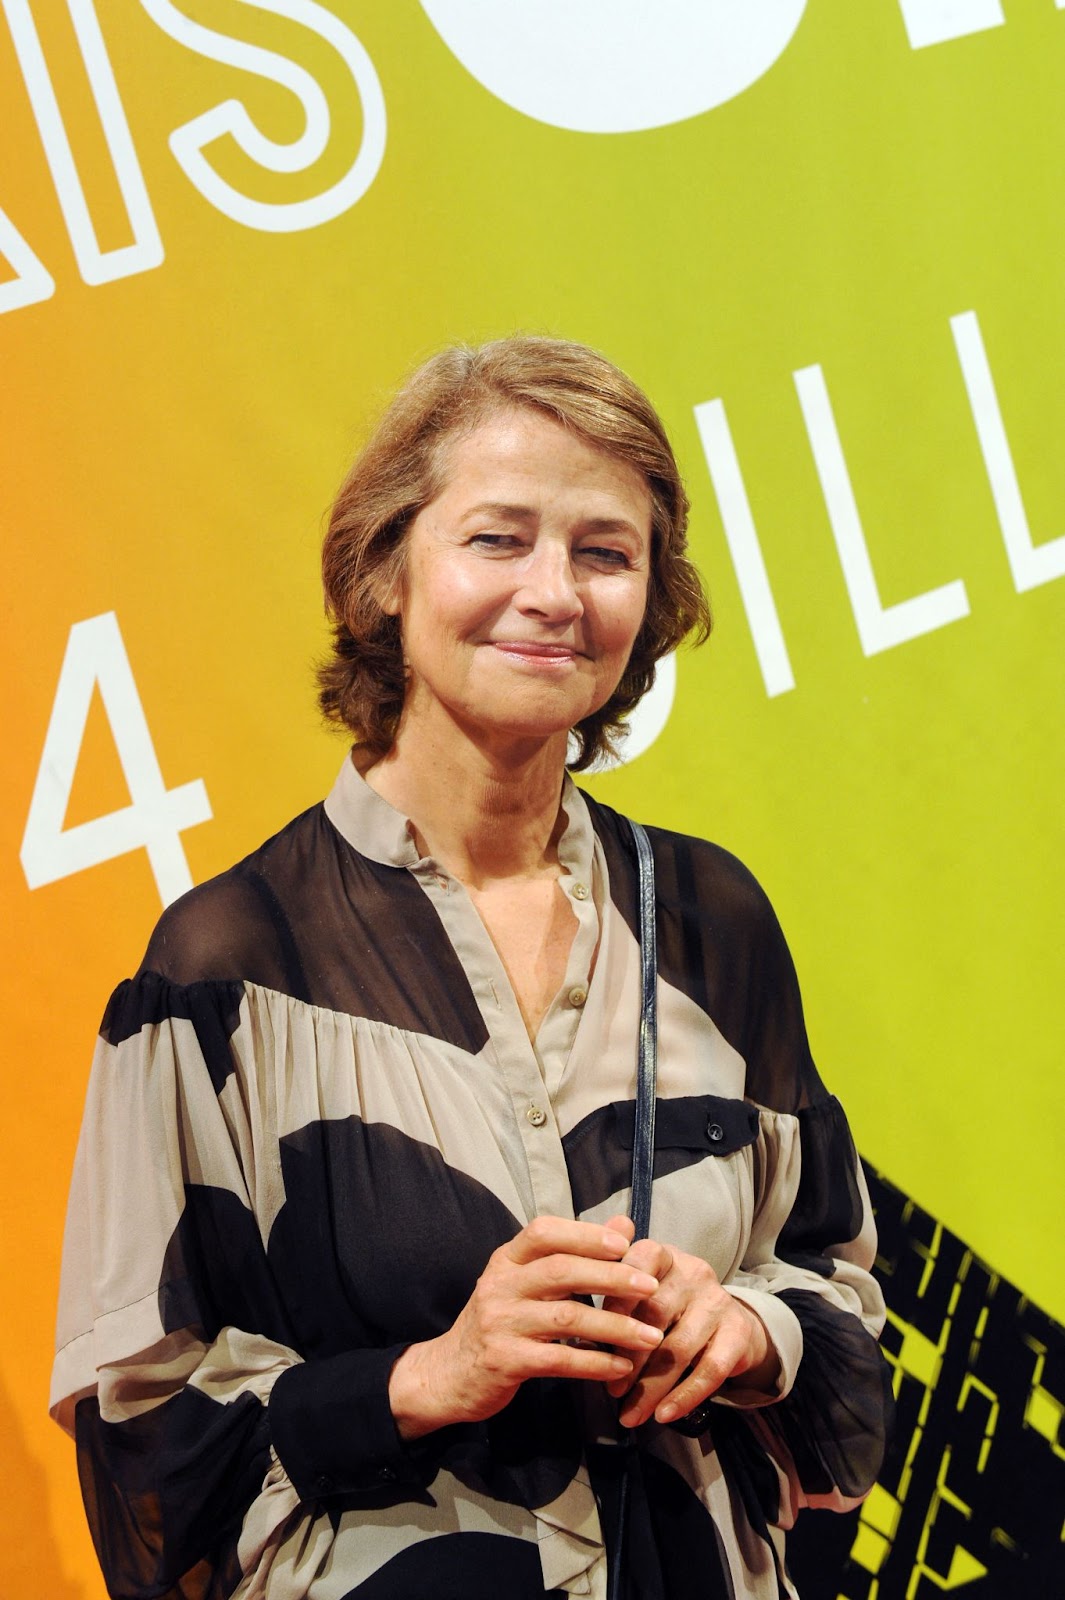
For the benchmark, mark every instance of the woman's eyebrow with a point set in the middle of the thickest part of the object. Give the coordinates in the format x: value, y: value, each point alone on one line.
x: 503, y: 511
x: 610, y: 525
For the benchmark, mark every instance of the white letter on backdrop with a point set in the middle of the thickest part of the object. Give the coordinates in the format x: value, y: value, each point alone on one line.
x: 1030, y: 564
x: 32, y: 281
x: 933, y: 21
x: 189, y: 141
x: 744, y: 548
x: 96, y: 654
x: 615, y: 66
x: 880, y: 627
x: 96, y: 265
x: 647, y: 719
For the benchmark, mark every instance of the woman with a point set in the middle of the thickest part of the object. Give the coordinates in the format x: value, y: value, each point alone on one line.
x: 351, y: 1306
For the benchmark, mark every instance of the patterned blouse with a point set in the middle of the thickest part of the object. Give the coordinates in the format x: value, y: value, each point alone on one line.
x: 313, y: 1114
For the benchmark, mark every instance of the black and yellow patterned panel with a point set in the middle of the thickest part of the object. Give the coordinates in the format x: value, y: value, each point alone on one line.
x: 972, y: 1498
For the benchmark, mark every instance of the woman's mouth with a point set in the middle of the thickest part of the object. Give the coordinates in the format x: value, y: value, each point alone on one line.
x: 532, y: 650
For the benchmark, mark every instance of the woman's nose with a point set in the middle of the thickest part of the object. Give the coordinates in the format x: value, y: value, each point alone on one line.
x: 549, y: 585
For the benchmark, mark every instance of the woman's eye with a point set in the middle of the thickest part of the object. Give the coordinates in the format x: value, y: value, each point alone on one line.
x: 494, y: 541
x: 606, y: 557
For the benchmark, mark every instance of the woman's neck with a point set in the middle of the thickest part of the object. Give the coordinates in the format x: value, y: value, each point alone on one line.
x: 483, y: 813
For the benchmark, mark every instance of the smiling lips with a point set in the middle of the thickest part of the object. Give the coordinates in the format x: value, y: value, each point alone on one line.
x: 531, y: 650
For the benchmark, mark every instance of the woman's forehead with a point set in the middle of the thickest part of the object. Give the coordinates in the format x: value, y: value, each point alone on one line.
x: 535, y: 452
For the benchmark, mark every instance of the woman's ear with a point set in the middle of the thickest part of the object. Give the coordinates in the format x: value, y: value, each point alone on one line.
x: 388, y: 585
x: 389, y: 596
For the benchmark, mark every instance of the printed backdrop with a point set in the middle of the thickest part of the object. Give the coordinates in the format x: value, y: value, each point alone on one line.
x: 828, y: 238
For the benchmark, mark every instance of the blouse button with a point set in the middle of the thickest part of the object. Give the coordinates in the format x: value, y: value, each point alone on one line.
x: 580, y: 891
x: 536, y: 1116
x: 578, y: 996
x: 715, y: 1132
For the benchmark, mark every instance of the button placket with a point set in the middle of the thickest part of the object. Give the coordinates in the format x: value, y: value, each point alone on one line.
x: 561, y: 1028
x: 541, y: 1182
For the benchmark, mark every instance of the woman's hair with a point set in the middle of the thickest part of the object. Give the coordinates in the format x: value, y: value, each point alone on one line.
x: 403, y: 467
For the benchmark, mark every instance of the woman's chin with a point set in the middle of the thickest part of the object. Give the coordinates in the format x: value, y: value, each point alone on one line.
x: 514, y: 715
x: 513, y: 725
x: 532, y: 733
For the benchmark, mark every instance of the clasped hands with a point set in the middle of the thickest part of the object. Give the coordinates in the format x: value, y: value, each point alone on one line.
x: 665, y: 1338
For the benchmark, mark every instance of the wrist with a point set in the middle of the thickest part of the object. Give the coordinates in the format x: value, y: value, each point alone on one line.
x: 763, y: 1373
x: 415, y: 1410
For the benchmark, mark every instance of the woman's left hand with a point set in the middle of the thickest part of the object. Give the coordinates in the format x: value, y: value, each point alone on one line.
x: 710, y: 1337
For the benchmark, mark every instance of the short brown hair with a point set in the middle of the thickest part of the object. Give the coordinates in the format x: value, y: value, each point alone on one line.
x: 363, y: 683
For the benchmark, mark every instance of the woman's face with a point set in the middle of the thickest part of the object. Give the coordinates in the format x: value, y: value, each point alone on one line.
x: 526, y: 580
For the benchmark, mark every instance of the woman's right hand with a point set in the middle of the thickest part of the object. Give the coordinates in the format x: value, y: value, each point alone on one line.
x: 523, y: 1320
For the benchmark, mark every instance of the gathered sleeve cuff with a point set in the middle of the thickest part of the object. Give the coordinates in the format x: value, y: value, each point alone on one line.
x: 808, y: 1275
x: 333, y: 1430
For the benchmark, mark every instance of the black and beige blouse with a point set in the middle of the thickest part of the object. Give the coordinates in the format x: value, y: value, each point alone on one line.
x: 313, y: 1114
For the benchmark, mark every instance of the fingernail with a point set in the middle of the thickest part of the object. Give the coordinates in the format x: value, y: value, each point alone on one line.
x: 615, y: 1241
x: 643, y: 1283
x: 665, y: 1413
x: 651, y: 1335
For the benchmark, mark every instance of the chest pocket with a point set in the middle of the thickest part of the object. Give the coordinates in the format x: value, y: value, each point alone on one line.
x: 688, y: 1129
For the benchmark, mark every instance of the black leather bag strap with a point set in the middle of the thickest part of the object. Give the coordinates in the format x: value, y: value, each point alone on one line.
x: 643, y: 1144
x: 643, y: 1152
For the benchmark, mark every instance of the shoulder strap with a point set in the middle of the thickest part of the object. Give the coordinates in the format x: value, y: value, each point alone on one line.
x: 643, y: 1157
x: 643, y: 1144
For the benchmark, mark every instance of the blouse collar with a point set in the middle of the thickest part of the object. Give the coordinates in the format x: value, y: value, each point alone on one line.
x: 377, y: 830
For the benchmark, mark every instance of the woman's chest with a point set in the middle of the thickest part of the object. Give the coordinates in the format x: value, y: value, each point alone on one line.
x: 403, y: 1162
x: 532, y: 927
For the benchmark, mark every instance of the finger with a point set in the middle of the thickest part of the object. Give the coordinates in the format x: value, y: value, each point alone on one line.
x: 684, y: 1345
x: 650, y: 1256
x: 649, y: 1311
x: 621, y: 1224
x: 560, y: 1277
x: 538, y: 1359
x: 717, y: 1364
x: 619, y: 1389
x: 546, y: 1236
x: 660, y: 1307
x: 620, y: 1386
x: 572, y: 1319
x: 738, y: 1345
x: 656, y: 1259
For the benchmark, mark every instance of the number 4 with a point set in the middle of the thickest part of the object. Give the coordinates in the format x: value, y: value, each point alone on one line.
x: 96, y: 654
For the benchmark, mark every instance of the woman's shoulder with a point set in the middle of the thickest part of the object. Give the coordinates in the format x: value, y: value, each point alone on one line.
x: 236, y: 926
x: 720, y: 945
x: 688, y: 868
